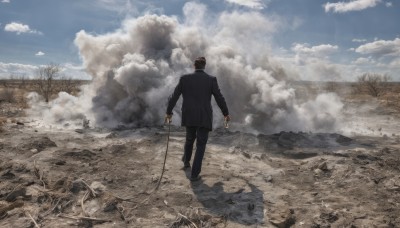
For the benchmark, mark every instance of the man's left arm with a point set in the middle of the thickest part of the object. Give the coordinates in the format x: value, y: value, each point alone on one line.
x: 219, y: 98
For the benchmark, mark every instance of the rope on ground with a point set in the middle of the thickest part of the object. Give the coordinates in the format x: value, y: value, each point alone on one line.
x: 165, y: 158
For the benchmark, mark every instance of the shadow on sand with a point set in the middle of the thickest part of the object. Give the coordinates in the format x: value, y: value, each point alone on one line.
x: 243, y: 207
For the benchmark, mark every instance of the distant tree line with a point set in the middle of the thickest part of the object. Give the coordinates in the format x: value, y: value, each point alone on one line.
x: 48, y: 81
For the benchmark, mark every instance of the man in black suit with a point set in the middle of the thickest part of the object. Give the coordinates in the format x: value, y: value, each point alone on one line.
x: 196, y: 89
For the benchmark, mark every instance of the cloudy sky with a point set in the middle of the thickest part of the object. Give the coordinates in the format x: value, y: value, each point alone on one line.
x: 313, y: 39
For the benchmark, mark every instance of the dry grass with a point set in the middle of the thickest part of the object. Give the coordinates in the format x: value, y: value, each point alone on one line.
x: 3, y: 121
x: 195, y: 218
x: 7, y: 95
x: 13, y: 93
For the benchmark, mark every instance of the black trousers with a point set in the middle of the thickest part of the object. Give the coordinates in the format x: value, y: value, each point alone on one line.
x: 200, y: 134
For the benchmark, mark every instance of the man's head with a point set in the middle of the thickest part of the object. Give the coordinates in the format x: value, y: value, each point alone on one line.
x: 200, y: 63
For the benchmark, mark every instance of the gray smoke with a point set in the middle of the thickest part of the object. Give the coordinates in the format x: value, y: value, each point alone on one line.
x: 136, y: 68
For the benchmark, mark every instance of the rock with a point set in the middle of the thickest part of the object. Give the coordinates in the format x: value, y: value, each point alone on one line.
x: 7, y: 175
x: 246, y: 154
x: 325, y: 219
x: 110, y: 205
x: 12, y: 196
x: 108, y: 179
x: 77, y: 186
x: 19, y: 123
x: 317, y: 171
x: 60, y: 162
x: 112, y: 135
x: 80, y: 131
x: 268, y: 178
x: 330, y: 217
x: 323, y: 166
x: 34, y: 151
x: 283, y: 219
x: 97, y: 186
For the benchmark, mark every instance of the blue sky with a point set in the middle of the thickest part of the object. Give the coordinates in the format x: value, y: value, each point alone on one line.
x: 317, y: 39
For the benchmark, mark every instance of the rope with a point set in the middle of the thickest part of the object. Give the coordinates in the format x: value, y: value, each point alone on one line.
x: 165, y: 158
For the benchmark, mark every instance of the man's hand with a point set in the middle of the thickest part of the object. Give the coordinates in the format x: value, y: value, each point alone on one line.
x: 227, y: 118
x: 168, y: 119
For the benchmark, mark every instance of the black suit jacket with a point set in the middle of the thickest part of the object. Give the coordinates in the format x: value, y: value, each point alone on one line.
x: 196, y: 90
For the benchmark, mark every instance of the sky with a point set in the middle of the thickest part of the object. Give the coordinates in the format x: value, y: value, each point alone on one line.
x: 317, y: 40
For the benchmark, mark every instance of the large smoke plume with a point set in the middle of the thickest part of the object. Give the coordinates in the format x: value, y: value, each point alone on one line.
x: 136, y: 68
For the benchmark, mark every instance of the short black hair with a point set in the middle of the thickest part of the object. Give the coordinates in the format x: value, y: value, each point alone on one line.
x: 200, y: 63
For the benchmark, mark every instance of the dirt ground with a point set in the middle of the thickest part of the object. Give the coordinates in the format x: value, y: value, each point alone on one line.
x: 55, y: 177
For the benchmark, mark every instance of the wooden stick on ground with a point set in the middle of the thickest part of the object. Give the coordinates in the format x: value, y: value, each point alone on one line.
x: 187, y: 219
x: 89, y: 188
x: 33, y: 220
x: 83, y: 201
x: 51, y: 209
x: 84, y: 218
x: 121, y: 212
x: 38, y: 174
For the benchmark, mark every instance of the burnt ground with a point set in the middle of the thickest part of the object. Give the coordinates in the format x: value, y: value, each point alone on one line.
x: 98, y: 178
x: 58, y: 177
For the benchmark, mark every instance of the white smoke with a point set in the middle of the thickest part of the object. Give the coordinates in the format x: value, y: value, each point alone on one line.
x: 136, y: 68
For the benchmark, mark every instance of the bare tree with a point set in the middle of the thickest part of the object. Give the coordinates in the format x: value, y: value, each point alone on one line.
x: 373, y: 84
x: 45, y: 81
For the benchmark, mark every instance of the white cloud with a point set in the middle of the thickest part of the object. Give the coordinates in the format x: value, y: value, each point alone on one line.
x: 73, y: 71
x: 363, y: 61
x: 388, y: 4
x: 254, y: 4
x: 381, y: 48
x: 5, y: 1
x: 19, y: 28
x: 319, y: 50
x: 8, y: 69
x: 352, y: 5
x: 118, y: 6
x: 39, y: 53
x: 359, y: 40
x: 395, y: 63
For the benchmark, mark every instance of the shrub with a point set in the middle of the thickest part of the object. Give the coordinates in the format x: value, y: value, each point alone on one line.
x: 372, y: 84
x: 7, y: 95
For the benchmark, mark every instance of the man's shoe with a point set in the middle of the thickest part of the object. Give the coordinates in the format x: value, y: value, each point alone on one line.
x: 193, y: 179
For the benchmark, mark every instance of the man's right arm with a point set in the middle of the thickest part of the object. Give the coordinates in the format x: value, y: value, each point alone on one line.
x: 174, y: 97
